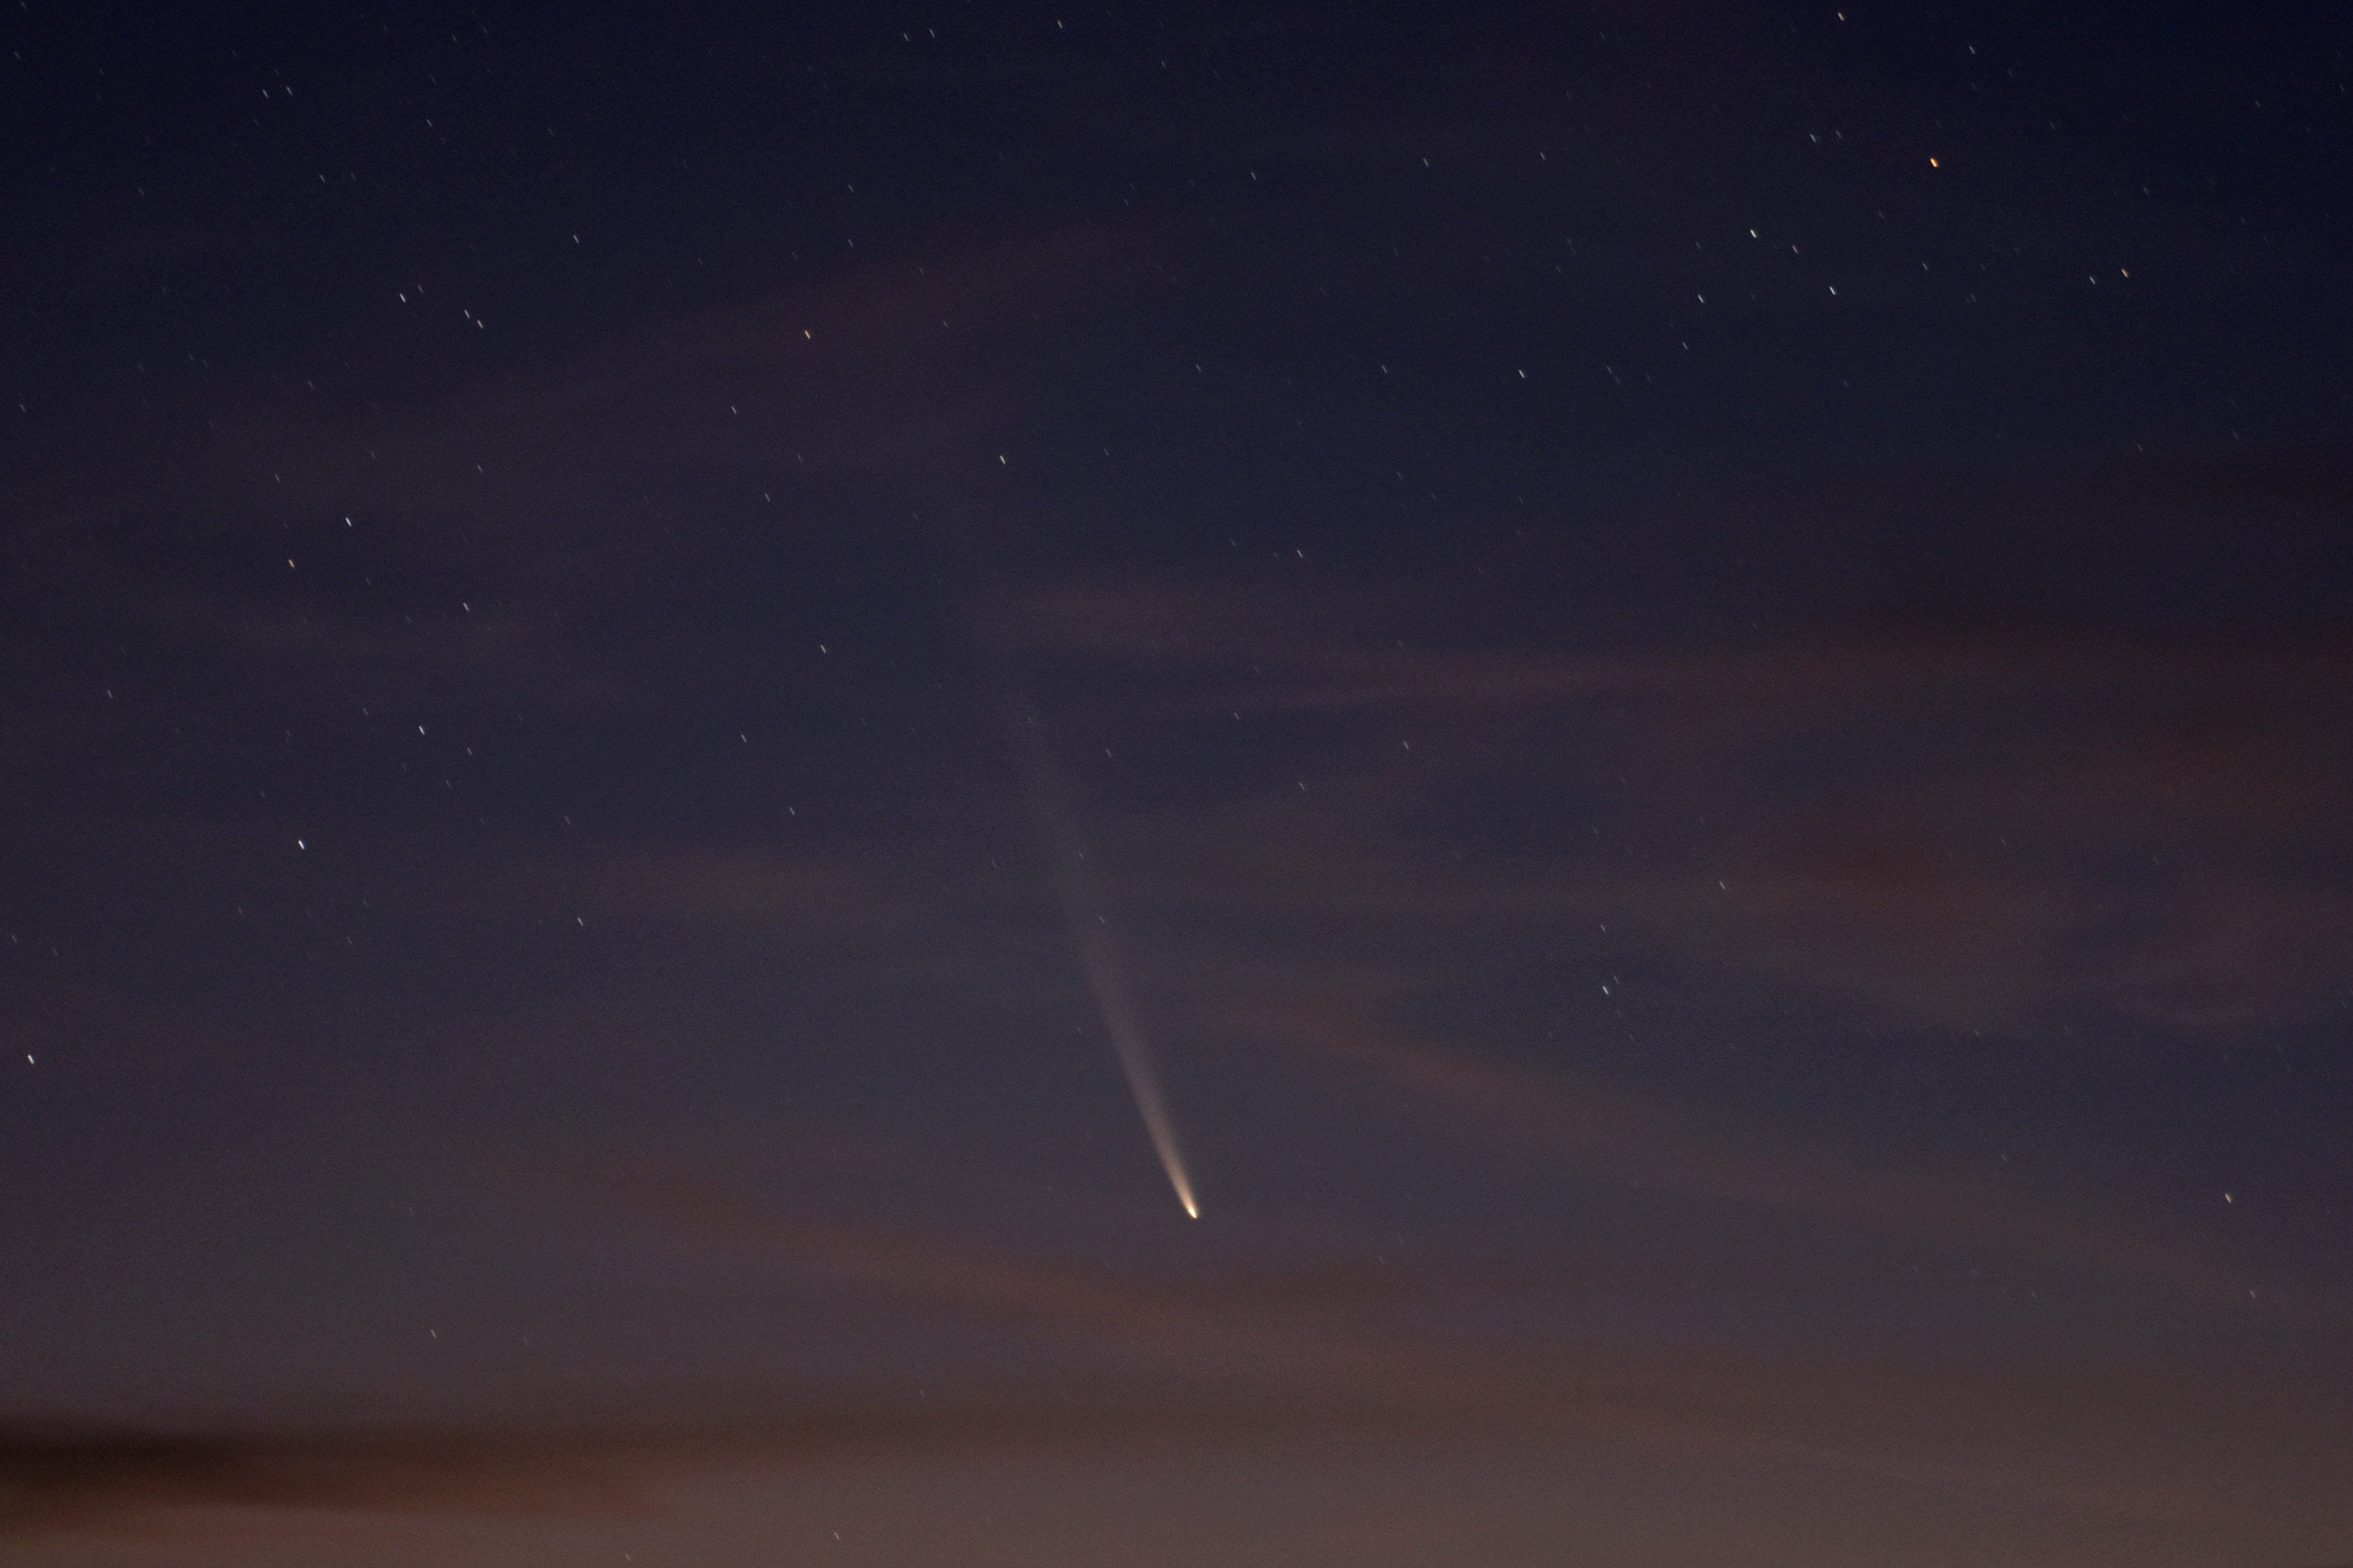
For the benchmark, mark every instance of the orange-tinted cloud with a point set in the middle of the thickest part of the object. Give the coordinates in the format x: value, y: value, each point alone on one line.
x: 1980, y: 832
x: 1622, y: 1138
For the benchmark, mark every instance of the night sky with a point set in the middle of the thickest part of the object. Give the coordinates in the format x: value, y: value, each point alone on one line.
x: 696, y: 703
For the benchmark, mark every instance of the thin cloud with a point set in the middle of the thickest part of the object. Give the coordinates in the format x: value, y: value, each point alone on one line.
x: 1957, y: 831
x: 1623, y: 1137
x: 99, y: 1483
x: 60, y: 1480
x: 1243, y: 1354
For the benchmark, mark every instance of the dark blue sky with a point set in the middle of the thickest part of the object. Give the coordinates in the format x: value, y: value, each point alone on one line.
x: 1698, y: 654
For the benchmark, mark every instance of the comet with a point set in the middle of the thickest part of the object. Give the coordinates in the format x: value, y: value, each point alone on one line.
x: 1091, y: 934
